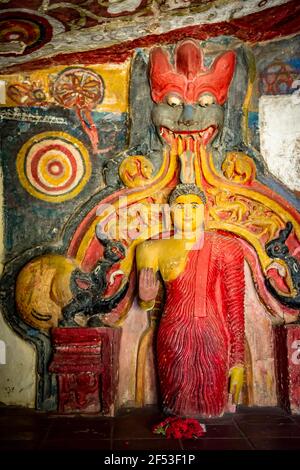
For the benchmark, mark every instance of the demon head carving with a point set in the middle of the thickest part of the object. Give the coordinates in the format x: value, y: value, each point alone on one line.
x: 188, y: 96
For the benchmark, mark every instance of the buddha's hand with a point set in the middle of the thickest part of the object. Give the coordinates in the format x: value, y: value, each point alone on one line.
x: 236, y: 377
x: 148, y: 285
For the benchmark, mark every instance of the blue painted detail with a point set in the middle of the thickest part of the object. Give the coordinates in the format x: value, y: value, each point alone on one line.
x: 278, y: 188
x: 253, y: 125
x: 253, y: 121
x: 33, y: 333
x: 44, y: 221
x: 187, y: 113
x: 142, y: 53
x: 295, y: 63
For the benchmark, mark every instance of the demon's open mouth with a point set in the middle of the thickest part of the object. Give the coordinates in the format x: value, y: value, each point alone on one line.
x: 203, y: 136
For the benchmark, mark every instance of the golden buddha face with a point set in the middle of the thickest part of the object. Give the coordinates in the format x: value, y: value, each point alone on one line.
x: 188, y: 215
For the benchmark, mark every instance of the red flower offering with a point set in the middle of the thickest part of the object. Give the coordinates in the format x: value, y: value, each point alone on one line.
x: 180, y: 428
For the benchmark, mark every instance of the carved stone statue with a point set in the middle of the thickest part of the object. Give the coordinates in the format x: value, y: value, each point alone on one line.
x: 200, y: 340
x: 189, y: 130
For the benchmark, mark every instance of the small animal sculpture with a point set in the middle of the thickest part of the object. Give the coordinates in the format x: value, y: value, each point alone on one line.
x: 87, y: 288
x: 277, y: 249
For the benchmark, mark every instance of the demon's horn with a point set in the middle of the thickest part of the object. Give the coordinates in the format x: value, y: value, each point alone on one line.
x: 189, y: 59
x: 159, y: 62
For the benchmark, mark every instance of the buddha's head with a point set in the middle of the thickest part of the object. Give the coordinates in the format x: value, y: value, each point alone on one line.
x: 187, y: 203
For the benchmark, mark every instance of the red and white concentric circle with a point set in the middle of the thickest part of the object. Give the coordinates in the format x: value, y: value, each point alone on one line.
x: 53, y: 166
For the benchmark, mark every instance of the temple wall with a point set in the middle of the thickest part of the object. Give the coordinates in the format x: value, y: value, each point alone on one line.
x: 18, y: 374
x: 18, y: 370
x: 280, y: 136
x: 34, y: 216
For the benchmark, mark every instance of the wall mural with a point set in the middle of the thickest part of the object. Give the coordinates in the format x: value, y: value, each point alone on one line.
x: 24, y: 32
x: 111, y: 30
x: 53, y: 166
x: 109, y: 200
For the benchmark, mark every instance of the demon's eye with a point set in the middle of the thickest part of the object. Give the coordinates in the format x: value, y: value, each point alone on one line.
x: 174, y: 101
x: 206, y: 100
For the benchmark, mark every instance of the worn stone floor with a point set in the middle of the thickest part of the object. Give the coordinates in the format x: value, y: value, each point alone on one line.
x: 247, y: 429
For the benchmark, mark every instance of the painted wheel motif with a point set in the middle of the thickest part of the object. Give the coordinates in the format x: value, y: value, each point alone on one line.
x: 78, y: 88
x: 53, y: 166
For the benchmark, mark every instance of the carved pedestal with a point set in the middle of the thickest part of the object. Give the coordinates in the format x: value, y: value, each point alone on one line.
x: 86, y: 363
x: 288, y: 366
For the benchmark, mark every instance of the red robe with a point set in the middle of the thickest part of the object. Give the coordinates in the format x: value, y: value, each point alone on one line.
x: 201, y: 332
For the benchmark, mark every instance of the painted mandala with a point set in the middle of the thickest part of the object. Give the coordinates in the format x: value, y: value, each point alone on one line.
x: 53, y: 166
x: 24, y: 31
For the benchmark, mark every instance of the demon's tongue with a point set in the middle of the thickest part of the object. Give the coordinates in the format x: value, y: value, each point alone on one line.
x: 187, y: 169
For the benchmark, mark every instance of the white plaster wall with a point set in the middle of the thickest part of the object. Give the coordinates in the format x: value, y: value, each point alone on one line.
x: 279, y: 124
x: 17, y: 375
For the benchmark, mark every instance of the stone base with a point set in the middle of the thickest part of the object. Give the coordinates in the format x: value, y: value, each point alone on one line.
x: 86, y: 363
x: 288, y: 366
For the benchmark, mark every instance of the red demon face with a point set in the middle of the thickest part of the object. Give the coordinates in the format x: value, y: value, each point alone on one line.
x: 188, y: 77
x: 188, y: 97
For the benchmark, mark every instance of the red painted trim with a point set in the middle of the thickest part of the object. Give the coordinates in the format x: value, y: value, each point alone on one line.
x: 264, y: 25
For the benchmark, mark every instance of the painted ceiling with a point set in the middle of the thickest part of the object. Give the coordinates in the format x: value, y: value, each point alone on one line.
x: 35, y: 33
